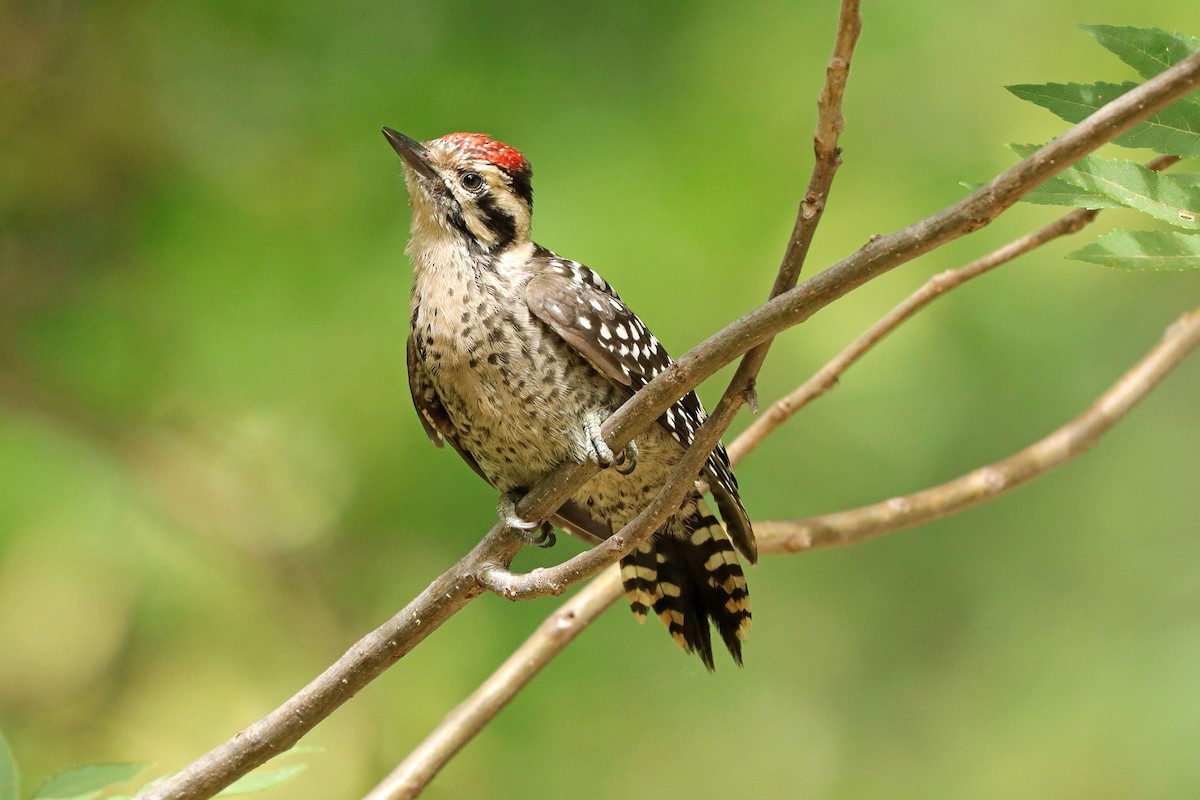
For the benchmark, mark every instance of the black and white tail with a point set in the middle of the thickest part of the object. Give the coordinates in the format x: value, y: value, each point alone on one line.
x: 689, y: 573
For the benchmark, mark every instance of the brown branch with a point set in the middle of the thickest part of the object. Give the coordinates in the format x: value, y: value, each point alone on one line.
x: 985, y: 483
x: 841, y: 528
x: 827, y: 377
x: 361, y: 664
x: 881, y: 254
x: 420, y: 767
x: 827, y: 159
x: 284, y: 726
x: 462, y: 724
x: 554, y: 580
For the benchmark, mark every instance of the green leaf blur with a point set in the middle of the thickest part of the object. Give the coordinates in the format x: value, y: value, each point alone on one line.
x: 212, y: 481
x: 262, y: 780
x: 1143, y: 250
x: 10, y: 775
x: 1173, y: 131
x: 86, y: 782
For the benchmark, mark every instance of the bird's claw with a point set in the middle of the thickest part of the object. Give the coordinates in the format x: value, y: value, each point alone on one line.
x: 601, y: 453
x: 507, y: 511
x: 537, y: 533
x: 627, y: 461
x: 545, y: 538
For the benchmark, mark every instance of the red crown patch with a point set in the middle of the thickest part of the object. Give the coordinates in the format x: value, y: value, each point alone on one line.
x: 480, y: 145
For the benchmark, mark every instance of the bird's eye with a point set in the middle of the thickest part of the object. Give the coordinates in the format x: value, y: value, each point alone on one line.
x: 471, y: 181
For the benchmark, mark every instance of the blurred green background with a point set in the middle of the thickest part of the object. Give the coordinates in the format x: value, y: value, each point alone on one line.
x: 212, y: 480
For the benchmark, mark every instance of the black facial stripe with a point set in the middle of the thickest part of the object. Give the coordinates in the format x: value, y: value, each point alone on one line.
x: 455, y: 218
x: 522, y: 185
x: 498, y: 222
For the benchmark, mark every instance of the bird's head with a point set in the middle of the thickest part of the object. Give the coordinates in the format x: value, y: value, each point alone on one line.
x: 466, y: 187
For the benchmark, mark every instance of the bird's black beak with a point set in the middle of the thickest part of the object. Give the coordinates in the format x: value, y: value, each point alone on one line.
x: 415, y: 154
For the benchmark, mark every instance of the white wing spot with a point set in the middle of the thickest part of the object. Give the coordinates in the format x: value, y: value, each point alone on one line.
x: 605, y: 333
x: 585, y: 323
x: 621, y: 332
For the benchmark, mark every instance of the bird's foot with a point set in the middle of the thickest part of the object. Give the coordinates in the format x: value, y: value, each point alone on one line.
x: 598, y: 450
x: 540, y: 533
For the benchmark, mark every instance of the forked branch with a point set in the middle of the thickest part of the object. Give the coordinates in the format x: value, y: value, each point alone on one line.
x: 838, y: 529
x: 375, y: 652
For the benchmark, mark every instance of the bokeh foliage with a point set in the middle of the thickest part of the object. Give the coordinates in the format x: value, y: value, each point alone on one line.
x: 211, y: 481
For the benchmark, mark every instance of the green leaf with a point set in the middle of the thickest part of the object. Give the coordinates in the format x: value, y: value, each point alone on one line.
x: 10, y: 776
x: 1059, y: 192
x: 1148, y: 50
x: 86, y: 782
x: 1161, y: 196
x: 150, y: 784
x: 1143, y: 250
x: 1173, y: 131
x: 258, y: 781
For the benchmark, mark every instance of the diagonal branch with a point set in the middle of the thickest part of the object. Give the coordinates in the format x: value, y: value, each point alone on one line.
x: 879, y: 255
x: 463, y: 723
x: 554, y: 580
x: 368, y: 658
x: 986, y: 483
x: 827, y: 377
x: 838, y: 529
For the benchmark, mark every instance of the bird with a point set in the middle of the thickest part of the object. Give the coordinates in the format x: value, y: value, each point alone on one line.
x: 516, y: 356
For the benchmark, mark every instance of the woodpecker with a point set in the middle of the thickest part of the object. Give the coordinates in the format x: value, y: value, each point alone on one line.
x: 517, y: 355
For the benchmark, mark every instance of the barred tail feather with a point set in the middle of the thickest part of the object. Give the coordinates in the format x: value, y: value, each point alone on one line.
x: 689, y: 580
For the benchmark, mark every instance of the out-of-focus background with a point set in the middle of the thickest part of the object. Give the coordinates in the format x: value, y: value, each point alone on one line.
x: 212, y: 481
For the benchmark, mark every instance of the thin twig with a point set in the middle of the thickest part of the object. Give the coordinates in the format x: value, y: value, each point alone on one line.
x: 985, y: 483
x: 462, y: 724
x: 361, y: 664
x: 827, y: 158
x: 284, y: 726
x: 838, y: 529
x: 878, y: 256
x: 554, y: 580
x: 420, y: 767
x: 465, y: 722
x: 827, y: 377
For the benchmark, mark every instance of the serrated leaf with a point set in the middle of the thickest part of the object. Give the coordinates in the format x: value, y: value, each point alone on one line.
x: 1173, y: 131
x: 1147, y: 50
x: 1143, y: 250
x: 261, y: 780
x: 1170, y: 198
x: 86, y: 782
x: 1058, y: 191
x: 10, y: 776
x: 1161, y: 196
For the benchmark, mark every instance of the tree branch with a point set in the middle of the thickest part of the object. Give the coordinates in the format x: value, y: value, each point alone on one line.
x: 827, y: 377
x: 837, y: 529
x: 878, y: 256
x: 462, y: 724
x: 371, y: 655
x: 827, y: 159
x: 985, y: 483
